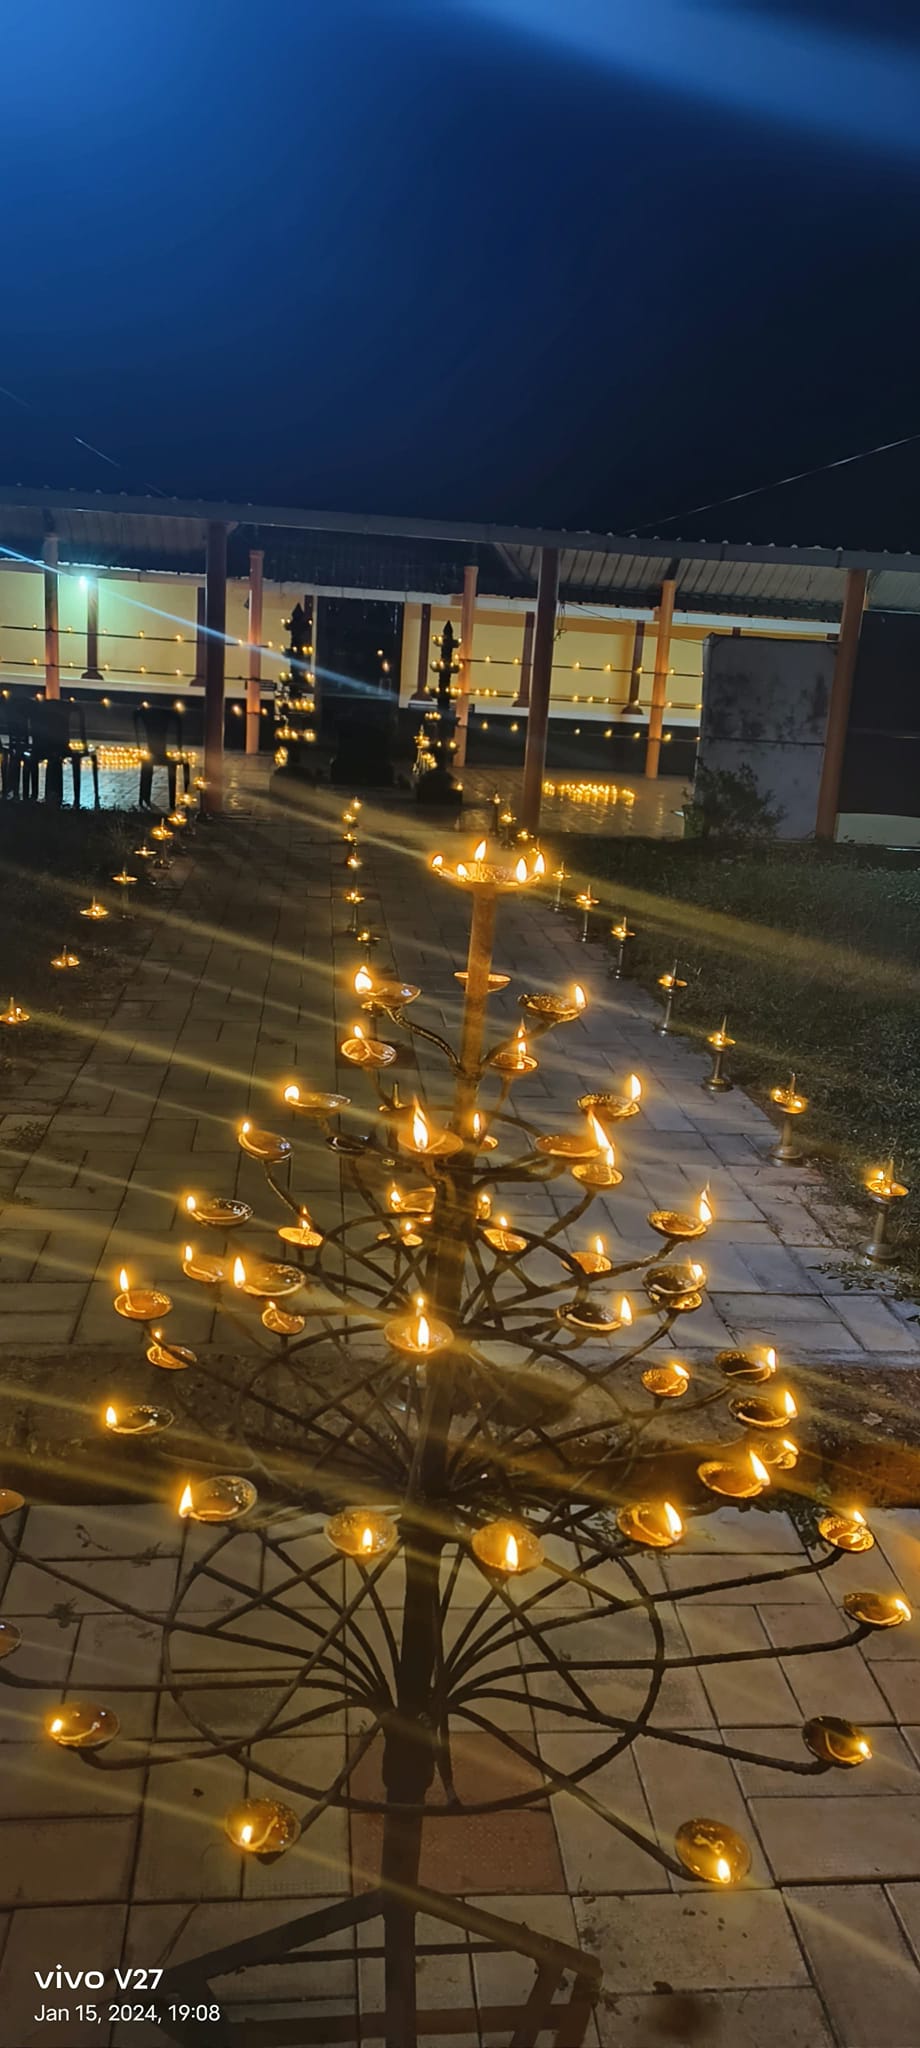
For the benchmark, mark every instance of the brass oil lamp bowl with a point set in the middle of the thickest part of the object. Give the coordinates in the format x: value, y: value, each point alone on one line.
x: 620, y: 933
x: 787, y: 1151
x: 886, y: 1191
x: 607, y: 1108
x: 680, y: 1226
x: 676, y: 1288
x: 746, y: 1365
x: 719, y: 1044
x: 672, y: 985
x: 586, y: 901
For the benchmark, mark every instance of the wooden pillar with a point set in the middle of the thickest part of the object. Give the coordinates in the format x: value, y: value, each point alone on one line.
x: 664, y: 615
x: 198, y: 678
x: 838, y: 713
x: 52, y: 636
x: 424, y: 652
x: 254, y: 678
x: 635, y: 665
x: 465, y: 653
x: 540, y: 685
x: 215, y: 620
x: 523, y: 696
x: 92, y: 672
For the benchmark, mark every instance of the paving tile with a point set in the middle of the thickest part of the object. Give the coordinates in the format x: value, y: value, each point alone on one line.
x: 184, y: 1853
x: 693, y: 1942
x: 893, y: 1768
x: 754, y: 1693
x: 79, y: 1937
x: 862, y: 1966
x: 44, y: 1862
x: 721, y: 2019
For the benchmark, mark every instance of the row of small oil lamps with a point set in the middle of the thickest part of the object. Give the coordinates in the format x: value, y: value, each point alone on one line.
x: 507, y: 1548
x: 66, y: 960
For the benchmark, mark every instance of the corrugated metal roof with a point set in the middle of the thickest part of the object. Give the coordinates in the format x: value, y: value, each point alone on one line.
x: 373, y: 552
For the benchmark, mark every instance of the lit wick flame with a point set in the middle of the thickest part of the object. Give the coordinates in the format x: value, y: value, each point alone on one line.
x: 579, y: 998
x: 246, y: 1833
x: 521, y: 1053
x: 512, y: 1555
x: 863, y: 1747
x: 759, y: 1470
x: 704, y: 1207
x: 480, y: 852
x: 245, y: 1128
x: 539, y: 866
x: 698, y: 1272
x: 723, y: 1870
x: 770, y: 1358
x: 599, y: 1247
x: 477, y: 1124
x: 598, y: 1133
x: 626, y: 1314
x: 422, y: 1325
x: 367, y: 1538
x: 789, y: 1405
x: 239, y: 1273
x: 111, y: 1416
x: 191, y: 1203
x: 421, y: 1136
x: 292, y: 1093
x: 634, y: 1088
x: 364, y: 982
x: 520, y: 872
x: 437, y: 860
x: 394, y: 1197
x: 123, y: 1280
x: 672, y: 1518
x: 185, y: 1504
x: 484, y: 1206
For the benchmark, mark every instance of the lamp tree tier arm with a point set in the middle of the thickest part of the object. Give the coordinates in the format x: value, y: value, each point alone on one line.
x: 511, y: 1501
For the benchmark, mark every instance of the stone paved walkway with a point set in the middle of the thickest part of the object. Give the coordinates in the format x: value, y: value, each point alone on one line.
x: 233, y: 996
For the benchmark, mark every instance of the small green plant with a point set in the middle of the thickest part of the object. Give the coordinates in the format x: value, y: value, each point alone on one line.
x: 726, y: 803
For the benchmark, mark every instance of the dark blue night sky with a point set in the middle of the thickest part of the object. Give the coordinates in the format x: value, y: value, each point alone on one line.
x: 553, y: 261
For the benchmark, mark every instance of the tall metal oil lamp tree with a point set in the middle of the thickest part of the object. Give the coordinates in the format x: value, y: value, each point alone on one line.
x: 295, y: 697
x: 432, y: 1453
x: 439, y: 785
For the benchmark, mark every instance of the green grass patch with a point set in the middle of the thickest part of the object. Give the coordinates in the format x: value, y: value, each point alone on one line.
x: 51, y: 863
x: 815, y: 956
